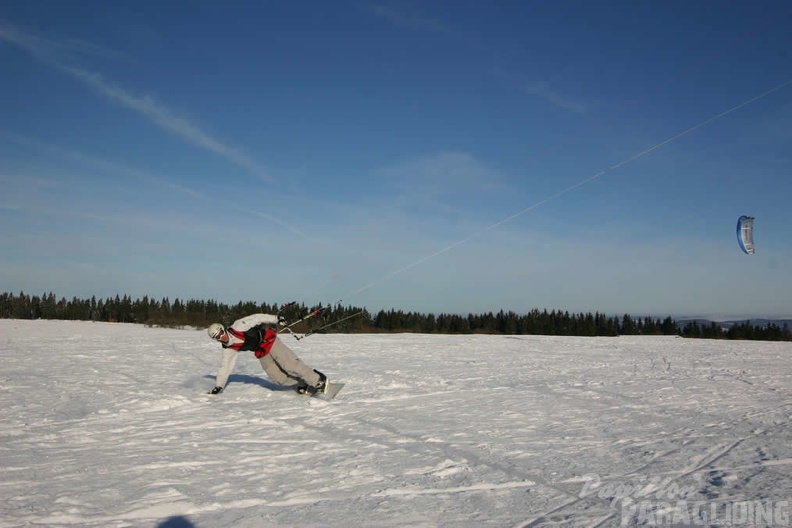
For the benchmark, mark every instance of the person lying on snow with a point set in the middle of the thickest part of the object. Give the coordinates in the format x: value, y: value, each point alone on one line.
x: 254, y: 333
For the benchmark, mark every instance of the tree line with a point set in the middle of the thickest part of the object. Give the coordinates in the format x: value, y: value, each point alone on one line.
x: 350, y: 319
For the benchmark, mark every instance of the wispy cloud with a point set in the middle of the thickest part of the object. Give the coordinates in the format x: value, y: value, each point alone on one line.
x: 545, y: 91
x: 61, y: 53
x: 99, y: 164
x: 416, y: 20
x: 109, y: 167
x: 444, y: 171
x: 47, y: 48
x: 540, y: 89
x: 409, y: 18
x: 444, y: 183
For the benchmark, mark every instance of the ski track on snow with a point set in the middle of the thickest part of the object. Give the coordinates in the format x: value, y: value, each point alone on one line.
x: 109, y: 425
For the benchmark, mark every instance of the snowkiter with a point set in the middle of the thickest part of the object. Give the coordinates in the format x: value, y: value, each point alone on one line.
x: 254, y: 333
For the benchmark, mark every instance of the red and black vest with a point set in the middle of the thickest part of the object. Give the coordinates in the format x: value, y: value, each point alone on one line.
x: 256, y: 339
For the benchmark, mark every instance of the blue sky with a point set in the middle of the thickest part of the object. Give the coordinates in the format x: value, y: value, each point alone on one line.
x: 433, y: 156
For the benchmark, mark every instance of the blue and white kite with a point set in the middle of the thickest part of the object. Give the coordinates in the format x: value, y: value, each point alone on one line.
x: 745, y: 234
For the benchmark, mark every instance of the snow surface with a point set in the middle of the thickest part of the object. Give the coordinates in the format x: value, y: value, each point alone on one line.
x: 110, y: 425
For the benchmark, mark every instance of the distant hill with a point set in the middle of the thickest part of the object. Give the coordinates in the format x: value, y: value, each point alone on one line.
x: 760, y: 323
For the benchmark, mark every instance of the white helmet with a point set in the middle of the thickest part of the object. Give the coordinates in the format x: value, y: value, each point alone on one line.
x: 214, y: 330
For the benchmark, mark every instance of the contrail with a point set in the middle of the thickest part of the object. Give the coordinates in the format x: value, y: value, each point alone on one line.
x: 53, y: 52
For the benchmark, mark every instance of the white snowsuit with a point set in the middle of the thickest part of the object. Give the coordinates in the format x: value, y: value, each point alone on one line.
x: 279, y: 361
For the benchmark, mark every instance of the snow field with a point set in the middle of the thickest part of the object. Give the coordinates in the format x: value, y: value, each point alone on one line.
x: 109, y: 425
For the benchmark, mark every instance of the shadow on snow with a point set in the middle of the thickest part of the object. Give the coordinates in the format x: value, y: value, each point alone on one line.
x: 252, y: 380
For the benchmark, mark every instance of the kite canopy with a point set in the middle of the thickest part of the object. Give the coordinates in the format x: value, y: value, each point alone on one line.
x: 745, y: 234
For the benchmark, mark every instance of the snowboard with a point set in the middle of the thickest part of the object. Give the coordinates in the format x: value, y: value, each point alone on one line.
x: 330, y: 392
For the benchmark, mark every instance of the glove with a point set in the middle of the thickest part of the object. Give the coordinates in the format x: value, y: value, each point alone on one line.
x: 216, y: 390
x: 281, y: 320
